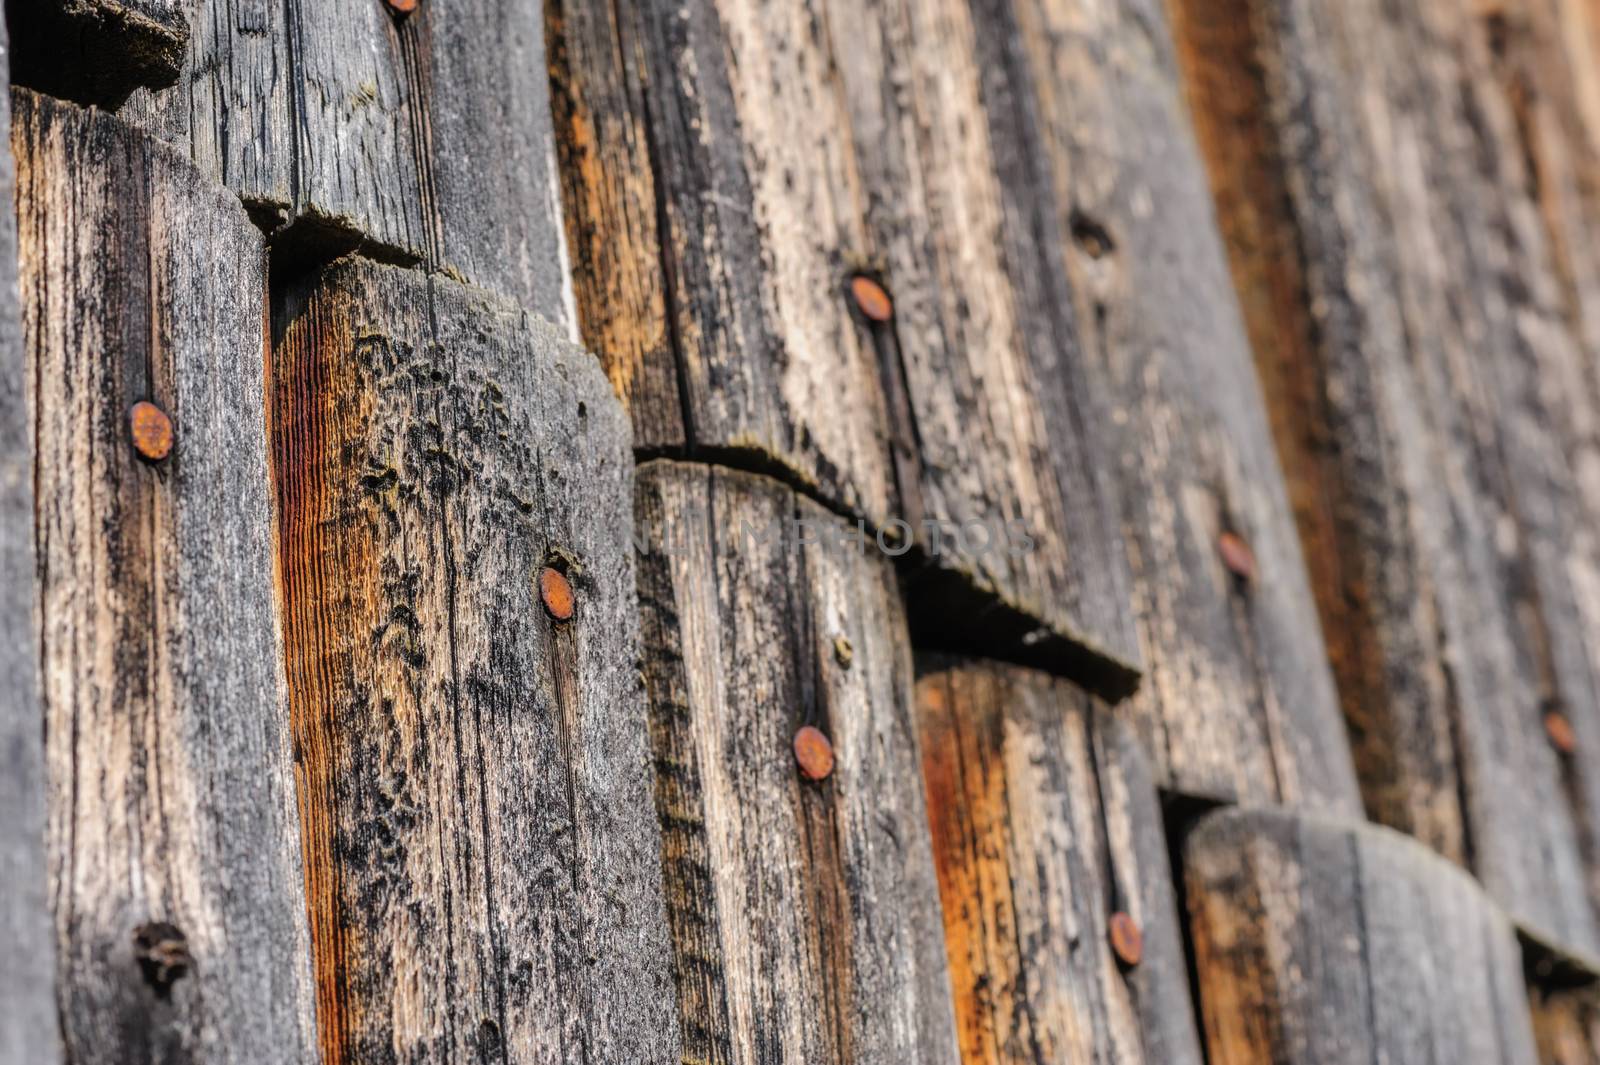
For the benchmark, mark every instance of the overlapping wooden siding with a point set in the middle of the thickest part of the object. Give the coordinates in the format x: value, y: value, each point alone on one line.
x: 481, y: 856
x: 771, y: 156
x: 1333, y: 942
x: 97, y: 51
x: 802, y: 898
x: 171, y: 850
x: 1436, y: 407
x: 420, y: 137
x: 1049, y: 846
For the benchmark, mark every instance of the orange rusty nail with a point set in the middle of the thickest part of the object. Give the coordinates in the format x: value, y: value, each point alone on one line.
x: 556, y: 591
x: 404, y: 7
x: 151, y: 430
x: 1559, y: 729
x: 870, y: 297
x: 1237, y: 556
x: 814, y: 752
x: 1126, y: 939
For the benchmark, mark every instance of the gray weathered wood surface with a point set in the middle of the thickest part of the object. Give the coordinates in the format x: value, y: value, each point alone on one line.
x: 29, y: 1031
x: 837, y: 143
x: 805, y: 914
x: 481, y: 855
x: 97, y: 51
x: 1045, y: 823
x: 1238, y: 701
x: 1437, y: 411
x: 171, y: 804
x: 1327, y: 942
x: 422, y: 138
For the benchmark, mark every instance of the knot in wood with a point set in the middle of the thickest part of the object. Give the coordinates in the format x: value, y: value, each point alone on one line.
x: 814, y: 751
x: 151, y: 431
x: 162, y: 951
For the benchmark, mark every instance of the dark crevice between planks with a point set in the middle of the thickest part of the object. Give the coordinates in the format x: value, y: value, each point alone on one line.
x: 303, y: 247
x: 93, y: 51
x: 1179, y: 815
x: 947, y: 610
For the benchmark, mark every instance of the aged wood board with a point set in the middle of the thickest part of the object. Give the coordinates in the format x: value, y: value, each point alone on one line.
x: 1330, y: 942
x: 1435, y: 398
x: 799, y: 877
x: 1048, y: 841
x: 421, y: 137
x: 453, y: 487
x: 173, y: 853
x: 732, y: 176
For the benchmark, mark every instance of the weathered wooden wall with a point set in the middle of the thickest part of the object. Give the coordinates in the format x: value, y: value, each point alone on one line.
x: 1043, y: 474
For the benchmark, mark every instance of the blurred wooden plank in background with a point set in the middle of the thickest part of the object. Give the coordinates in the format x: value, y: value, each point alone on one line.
x: 173, y: 859
x: 1058, y: 903
x: 1316, y: 941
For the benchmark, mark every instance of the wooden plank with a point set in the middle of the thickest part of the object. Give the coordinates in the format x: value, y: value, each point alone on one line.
x: 804, y: 912
x: 1329, y: 942
x: 852, y: 146
x: 1045, y: 825
x: 29, y: 1030
x: 421, y: 138
x: 97, y: 51
x: 1437, y: 410
x: 475, y: 794
x: 173, y: 859
x: 1566, y: 1024
x: 1238, y: 701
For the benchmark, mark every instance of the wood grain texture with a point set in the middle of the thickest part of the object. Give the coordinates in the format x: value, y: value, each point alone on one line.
x: 29, y: 1031
x: 1045, y: 822
x: 845, y: 141
x: 1436, y: 398
x: 1238, y: 702
x: 97, y: 51
x: 804, y: 915
x: 171, y: 833
x: 1330, y: 942
x: 422, y: 138
x: 474, y: 779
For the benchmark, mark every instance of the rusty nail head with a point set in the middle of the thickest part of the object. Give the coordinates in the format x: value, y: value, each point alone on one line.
x: 814, y: 752
x: 1126, y: 939
x: 871, y: 299
x: 1559, y: 729
x: 151, y: 431
x: 403, y: 7
x: 556, y: 591
x: 1237, y: 556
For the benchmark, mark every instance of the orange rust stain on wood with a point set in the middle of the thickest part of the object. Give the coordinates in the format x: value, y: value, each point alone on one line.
x: 305, y: 439
x: 966, y: 796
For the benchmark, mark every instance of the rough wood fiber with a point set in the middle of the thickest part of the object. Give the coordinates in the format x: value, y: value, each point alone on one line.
x: 474, y: 778
x: 1238, y: 700
x: 1437, y: 412
x: 97, y: 51
x: 1566, y: 1025
x: 29, y: 1032
x: 422, y: 138
x: 842, y: 141
x: 171, y: 825
x: 1324, y: 942
x: 805, y: 915
x: 1045, y: 823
